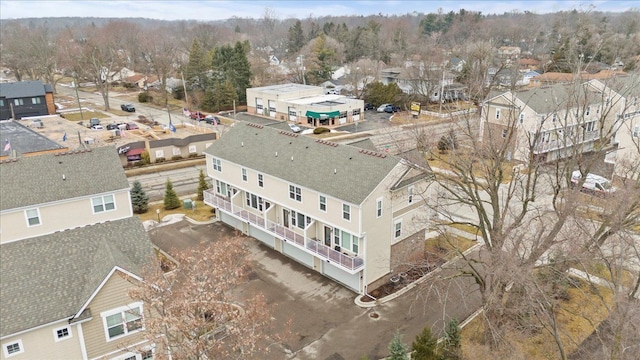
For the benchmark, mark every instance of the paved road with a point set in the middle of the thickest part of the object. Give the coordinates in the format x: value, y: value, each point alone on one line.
x: 325, y: 321
x: 185, y: 181
x: 95, y: 101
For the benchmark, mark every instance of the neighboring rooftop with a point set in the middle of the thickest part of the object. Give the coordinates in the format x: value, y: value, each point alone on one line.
x: 22, y: 89
x: 284, y: 88
x: 547, y: 99
x: 23, y: 140
x: 49, y: 278
x: 52, y: 177
x: 341, y: 171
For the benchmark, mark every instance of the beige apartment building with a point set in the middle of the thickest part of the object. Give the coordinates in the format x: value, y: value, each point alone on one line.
x: 346, y: 212
x: 70, y: 249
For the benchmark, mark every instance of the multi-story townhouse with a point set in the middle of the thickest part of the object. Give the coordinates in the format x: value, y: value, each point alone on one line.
x: 70, y: 249
x: 346, y: 212
x: 550, y: 122
x: 626, y: 158
x: 25, y: 98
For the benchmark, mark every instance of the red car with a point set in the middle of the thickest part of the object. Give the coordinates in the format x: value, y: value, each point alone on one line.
x: 132, y: 126
x: 197, y: 115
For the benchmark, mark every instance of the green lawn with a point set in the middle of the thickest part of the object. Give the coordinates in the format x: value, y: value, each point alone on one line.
x: 86, y: 115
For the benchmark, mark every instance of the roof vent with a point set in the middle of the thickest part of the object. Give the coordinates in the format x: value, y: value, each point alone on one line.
x: 64, y: 177
x: 292, y: 158
x: 242, y: 144
x: 335, y: 171
x: 276, y: 154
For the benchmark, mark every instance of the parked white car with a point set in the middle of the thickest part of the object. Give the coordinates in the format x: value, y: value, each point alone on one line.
x: 382, y: 107
x: 593, y: 184
x: 295, y: 128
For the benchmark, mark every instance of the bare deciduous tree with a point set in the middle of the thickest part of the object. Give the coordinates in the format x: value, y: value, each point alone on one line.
x: 194, y: 312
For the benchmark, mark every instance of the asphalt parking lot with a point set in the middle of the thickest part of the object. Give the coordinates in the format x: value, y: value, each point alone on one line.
x: 325, y: 322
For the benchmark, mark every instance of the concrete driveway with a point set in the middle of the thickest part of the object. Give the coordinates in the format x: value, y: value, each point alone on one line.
x: 325, y: 322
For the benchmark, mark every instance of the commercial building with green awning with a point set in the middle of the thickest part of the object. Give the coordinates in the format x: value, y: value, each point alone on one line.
x: 322, y: 115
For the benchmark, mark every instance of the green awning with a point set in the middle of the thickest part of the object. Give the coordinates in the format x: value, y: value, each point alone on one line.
x: 322, y: 115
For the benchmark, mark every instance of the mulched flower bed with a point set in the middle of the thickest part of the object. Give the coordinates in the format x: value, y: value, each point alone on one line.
x: 431, y: 262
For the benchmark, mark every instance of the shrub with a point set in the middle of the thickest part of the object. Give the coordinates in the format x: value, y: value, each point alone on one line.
x: 192, y: 155
x: 320, y: 130
x: 160, y: 159
x: 144, y: 97
x: 202, y: 185
x: 397, y: 349
x: 171, y: 199
x: 425, y: 346
x: 145, y: 158
x: 139, y: 199
x: 176, y: 157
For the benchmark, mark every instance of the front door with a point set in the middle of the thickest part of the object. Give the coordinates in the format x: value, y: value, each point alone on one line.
x: 328, y: 232
x: 285, y: 218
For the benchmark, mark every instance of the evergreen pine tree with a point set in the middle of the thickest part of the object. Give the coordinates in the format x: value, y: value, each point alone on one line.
x: 202, y: 185
x: 139, y: 199
x: 451, y: 348
x: 397, y: 349
x: 424, y: 347
x: 171, y: 200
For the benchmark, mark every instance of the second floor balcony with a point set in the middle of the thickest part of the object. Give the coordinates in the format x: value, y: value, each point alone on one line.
x: 350, y: 263
x: 544, y: 145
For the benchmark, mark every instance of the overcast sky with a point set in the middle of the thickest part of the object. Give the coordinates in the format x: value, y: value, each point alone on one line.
x: 218, y: 10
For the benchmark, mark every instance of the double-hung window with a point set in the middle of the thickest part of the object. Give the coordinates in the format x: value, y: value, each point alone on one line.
x: 379, y: 207
x: 410, y: 194
x: 36, y: 100
x: 244, y: 175
x: 103, y: 203
x: 397, y: 229
x: 323, y: 203
x: 295, y: 193
x: 122, y: 321
x: 346, y: 212
x: 497, y: 114
x: 33, y: 217
x: 260, y: 180
x: 636, y: 131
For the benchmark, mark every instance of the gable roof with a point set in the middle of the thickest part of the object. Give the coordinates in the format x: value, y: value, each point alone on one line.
x: 21, y: 89
x: 52, y: 177
x: 49, y: 278
x: 548, y: 99
x: 341, y: 171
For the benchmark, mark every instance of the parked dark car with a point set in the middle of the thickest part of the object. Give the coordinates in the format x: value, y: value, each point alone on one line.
x: 391, y: 108
x: 368, y: 106
x: 212, y: 120
x: 113, y: 126
x: 93, y: 121
x: 132, y: 126
x: 128, y: 108
x: 197, y: 115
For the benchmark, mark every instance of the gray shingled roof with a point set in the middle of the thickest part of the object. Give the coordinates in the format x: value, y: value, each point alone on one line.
x: 50, y: 277
x: 356, y: 172
x: 547, y: 99
x: 24, y: 140
x: 21, y: 89
x: 39, y: 179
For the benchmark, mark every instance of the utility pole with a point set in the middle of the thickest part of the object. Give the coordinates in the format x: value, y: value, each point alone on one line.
x: 75, y: 80
x: 184, y: 87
